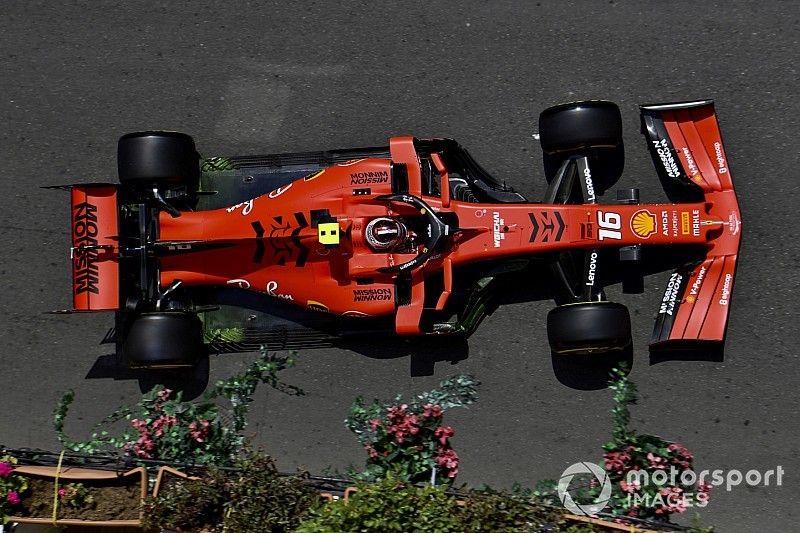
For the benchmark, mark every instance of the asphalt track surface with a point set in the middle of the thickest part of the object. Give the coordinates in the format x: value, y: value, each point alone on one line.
x: 249, y: 77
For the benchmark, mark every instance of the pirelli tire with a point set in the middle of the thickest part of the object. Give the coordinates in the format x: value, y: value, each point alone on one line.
x: 591, y: 128
x: 580, y: 125
x: 162, y: 158
x: 589, y: 328
x: 171, y: 339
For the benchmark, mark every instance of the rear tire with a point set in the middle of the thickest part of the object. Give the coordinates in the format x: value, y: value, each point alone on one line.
x: 589, y: 327
x: 164, y: 340
x: 161, y: 158
x: 588, y: 128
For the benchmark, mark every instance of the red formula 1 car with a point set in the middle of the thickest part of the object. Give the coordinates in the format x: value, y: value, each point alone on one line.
x: 413, y: 238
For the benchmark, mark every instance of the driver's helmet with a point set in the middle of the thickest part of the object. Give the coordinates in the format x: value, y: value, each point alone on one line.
x: 385, y: 233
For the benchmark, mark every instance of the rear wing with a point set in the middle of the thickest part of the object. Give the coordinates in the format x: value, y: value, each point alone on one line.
x: 95, y: 247
x: 687, y: 149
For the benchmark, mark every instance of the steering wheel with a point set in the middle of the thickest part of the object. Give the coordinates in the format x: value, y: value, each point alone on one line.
x: 436, y: 230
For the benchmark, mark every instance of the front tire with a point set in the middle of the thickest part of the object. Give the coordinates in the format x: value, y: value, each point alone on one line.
x: 164, y: 340
x: 580, y: 126
x: 589, y: 327
x: 588, y: 128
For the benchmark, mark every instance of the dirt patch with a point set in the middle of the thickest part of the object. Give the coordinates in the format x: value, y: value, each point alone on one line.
x: 114, y: 499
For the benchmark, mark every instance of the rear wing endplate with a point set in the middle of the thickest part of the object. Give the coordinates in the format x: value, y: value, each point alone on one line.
x: 95, y: 247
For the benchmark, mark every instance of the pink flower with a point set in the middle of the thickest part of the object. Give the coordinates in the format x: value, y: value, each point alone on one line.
x: 674, y: 499
x: 141, y: 453
x: 6, y: 469
x: 62, y: 492
x: 443, y: 433
x: 375, y: 423
x: 656, y: 462
x: 200, y: 430
x: 430, y: 410
x: 679, y: 506
x: 617, y: 462
x: 163, y: 422
x: 164, y: 395
x: 373, y: 454
x: 12, y: 497
x: 397, y: 411
x: 680, y: 455
x: 402, y: 424
x: 448, y: 459
x: 144, y: 446
x: 703, y: 487
x: 630, y: 488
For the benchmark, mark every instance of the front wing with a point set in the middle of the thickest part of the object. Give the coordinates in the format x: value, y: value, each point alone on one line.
x: 687, y: 149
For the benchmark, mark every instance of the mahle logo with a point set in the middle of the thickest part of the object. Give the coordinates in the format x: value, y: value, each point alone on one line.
x: 584, y: 508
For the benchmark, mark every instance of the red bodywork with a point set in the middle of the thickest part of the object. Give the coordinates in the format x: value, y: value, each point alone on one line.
x: 95, y: 254
x: 274, y: 247
x: 272, y: 243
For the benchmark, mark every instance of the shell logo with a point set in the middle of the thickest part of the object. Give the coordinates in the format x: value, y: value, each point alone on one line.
x: 643, y: 223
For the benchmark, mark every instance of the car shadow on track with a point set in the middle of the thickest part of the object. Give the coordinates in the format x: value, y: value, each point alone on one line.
x: 589, y: 372
x: 423, y: 353
x: 191, y: 381
x: 712, y: 352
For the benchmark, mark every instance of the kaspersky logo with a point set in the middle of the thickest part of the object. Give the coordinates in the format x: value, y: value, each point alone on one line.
x: 643, y: 223
x: 584, y: 508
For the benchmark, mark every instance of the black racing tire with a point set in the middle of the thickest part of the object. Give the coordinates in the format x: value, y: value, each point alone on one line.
x: 589, y: 327
x: 579, y: 126
x: 163, y: 158
x: 589, y: 128
x: 164, y: 340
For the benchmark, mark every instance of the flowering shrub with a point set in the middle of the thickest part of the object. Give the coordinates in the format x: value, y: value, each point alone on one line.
x: 388, y: 505
x: 395, y: 505
x: 74, y: 495
x: 409, y: 439
x: 12, y: 487
x: 632, y: 461
x: 254, y: 497
x: 163, y: 426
